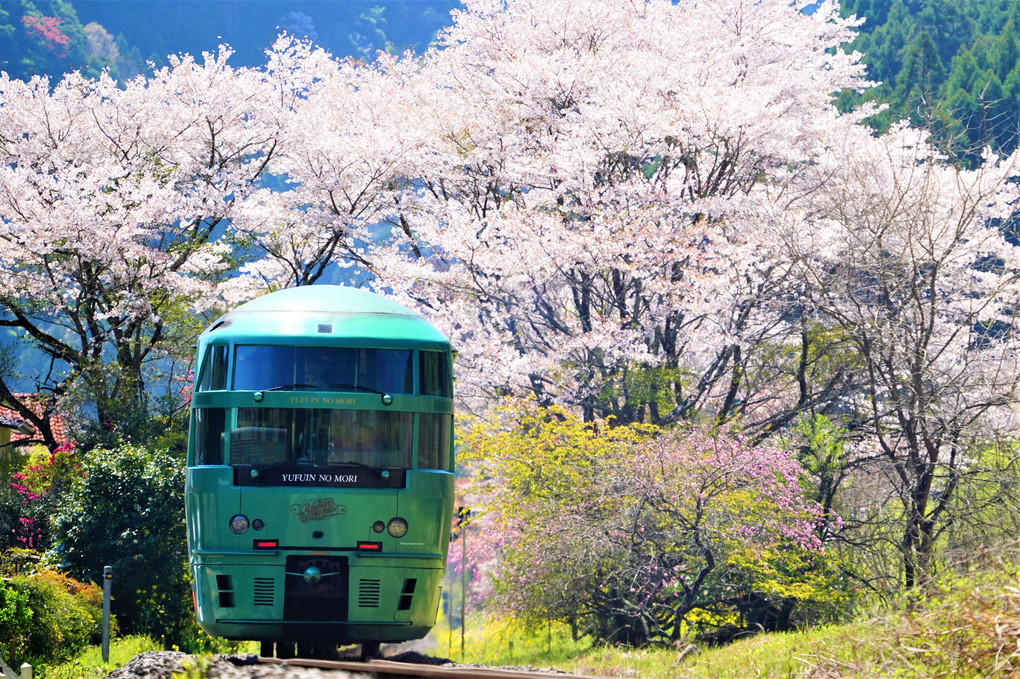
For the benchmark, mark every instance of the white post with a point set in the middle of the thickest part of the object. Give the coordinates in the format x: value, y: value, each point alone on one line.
x: 107, y: 581
x: 26, y: 671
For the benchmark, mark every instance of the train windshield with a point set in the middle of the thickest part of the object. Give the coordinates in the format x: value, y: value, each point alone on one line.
x: 383, y: 371
x: 321, y: 437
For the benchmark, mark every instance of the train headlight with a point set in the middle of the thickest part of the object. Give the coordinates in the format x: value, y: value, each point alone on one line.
x: 239, y: 524
x: 397, y: 527
x: 378, y: 526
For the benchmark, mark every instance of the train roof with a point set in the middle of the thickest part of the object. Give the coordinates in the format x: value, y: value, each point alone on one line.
x: 325, y: 312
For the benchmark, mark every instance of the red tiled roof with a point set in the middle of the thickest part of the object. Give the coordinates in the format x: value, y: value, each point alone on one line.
x: 10, y: 419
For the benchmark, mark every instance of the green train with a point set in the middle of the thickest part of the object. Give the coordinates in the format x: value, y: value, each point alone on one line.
x: 320, y: 472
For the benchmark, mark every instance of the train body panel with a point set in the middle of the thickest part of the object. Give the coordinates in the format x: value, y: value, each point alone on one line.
x: 320, y: 485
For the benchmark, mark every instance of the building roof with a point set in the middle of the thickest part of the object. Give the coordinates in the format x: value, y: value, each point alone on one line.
x: 22, y: 429
x: 14, y: 423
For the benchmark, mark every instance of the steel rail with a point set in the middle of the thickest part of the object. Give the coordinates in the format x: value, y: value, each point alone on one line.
x: 387, y: 669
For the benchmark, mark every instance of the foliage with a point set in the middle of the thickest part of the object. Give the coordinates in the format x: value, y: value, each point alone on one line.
x: 47, y: 31
x: 15, y: 622
x: 826, y: 458
x: 14, y: 560
x: 66, y: 615
x: 47, y: 617
x: 596, y: 240
x: 108, y: 300
x: 921, y: 280
x: 964, y: 626
x: 674, y: 531
x: 991, y: 486
x: 12, y: 512
x: 162, y: 424
x: 666, y: 222
x: 126, y: 510
x: 46, y: 472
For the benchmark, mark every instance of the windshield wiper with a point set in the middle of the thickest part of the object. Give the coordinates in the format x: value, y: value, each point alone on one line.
x: 354, y: 387
x: 287, y: 387
x: 261, y: 468
x: 354, y: 463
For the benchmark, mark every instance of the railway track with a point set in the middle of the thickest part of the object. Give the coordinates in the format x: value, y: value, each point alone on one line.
x: 175, y: 664
x: 386, y: 669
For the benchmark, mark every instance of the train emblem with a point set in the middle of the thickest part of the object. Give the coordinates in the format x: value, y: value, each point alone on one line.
x: 316, y: 510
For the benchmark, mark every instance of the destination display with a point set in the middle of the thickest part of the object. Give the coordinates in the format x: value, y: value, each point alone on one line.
x: 296, y: 475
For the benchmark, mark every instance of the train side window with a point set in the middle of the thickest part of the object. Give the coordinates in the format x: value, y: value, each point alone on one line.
x: 434, y: 435
x: 209, y: 423
x: 434, y: 374
x: 213, y: 375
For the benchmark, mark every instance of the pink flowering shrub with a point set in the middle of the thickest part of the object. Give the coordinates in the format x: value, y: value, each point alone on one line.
x: 46, y: 470
x: 47, y: 31
x: 641, y: 535
x: 36, y: 489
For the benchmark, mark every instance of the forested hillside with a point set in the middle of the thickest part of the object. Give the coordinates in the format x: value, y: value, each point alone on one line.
x: 41, y: 37
x: 950, y: 65
x: 52, y: 37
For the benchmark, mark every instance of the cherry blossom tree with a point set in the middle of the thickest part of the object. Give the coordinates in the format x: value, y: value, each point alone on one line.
x: 582, y: 213
x: 915, y: 263
x: 343, y: 147
x: 578, y: 206
x: 113, y: 201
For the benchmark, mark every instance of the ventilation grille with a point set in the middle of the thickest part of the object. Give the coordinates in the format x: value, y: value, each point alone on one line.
x: 368, y: 593
x: 226, y: 591
x: 264, y: 591
x: 406, y: 594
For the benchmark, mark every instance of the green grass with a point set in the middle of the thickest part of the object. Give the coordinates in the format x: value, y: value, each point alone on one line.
x: 492, y: 641
x: 89, y: 664
x: 967, y: 627
x: 895, y: 646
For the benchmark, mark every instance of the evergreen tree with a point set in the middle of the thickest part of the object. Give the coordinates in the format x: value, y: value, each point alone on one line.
x: 963, y: 101
x: 918, y: 82
x: 1005, y: 51
x: 907, y: 45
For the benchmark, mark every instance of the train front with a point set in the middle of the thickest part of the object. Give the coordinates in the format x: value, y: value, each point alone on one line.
x: 320, y: 486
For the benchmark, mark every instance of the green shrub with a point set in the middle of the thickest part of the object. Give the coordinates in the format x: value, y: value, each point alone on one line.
x: 61, y: 625
x: 126, y: 509
x: 47, y: 617
x: 15, y: 623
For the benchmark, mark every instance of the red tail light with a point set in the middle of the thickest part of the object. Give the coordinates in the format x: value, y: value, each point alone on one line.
x: 369, y: 546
